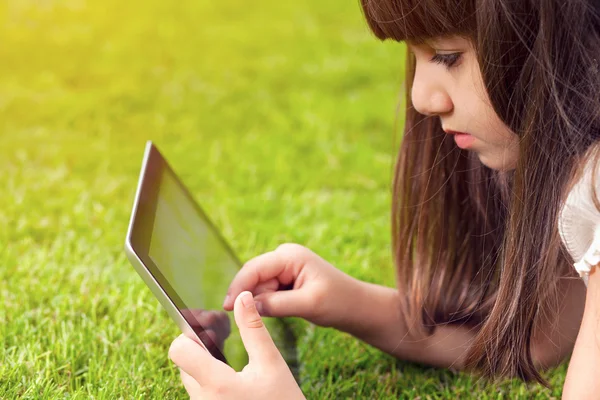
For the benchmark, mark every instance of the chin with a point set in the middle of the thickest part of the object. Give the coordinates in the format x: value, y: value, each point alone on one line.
x: 498, y: 164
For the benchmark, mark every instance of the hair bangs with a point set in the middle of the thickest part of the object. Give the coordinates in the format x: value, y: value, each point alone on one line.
x: 418, y: 20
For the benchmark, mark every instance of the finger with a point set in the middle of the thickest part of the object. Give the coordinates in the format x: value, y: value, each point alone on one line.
x: 192, y: 387
x: 283, y: 303
x: 257, y: 340
x: 260, y: 269
x: 197, y: 362
x: 269, y: 286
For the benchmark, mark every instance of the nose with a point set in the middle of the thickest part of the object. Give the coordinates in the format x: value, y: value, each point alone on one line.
x: 429, y: 97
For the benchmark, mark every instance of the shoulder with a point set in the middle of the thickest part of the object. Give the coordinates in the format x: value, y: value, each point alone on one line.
x: 579, y: 218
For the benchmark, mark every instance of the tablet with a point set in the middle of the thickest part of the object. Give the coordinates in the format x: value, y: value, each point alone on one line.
x: 188, y: 265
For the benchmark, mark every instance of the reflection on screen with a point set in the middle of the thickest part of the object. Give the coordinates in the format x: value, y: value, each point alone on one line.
x: 198, y: 266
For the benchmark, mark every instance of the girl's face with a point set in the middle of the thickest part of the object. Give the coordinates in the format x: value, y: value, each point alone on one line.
x: 448, y: 83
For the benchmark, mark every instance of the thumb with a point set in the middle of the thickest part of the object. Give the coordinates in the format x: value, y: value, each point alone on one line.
x: 254, y: 333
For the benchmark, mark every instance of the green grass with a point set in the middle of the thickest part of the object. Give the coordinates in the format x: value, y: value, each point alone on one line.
x: 278, y: 115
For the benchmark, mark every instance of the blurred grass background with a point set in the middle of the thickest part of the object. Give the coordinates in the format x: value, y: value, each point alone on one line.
x: 279, y: 116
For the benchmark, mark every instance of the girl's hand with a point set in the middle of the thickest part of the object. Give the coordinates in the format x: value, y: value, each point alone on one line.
x: 266, y: 376
x: 317, y: 291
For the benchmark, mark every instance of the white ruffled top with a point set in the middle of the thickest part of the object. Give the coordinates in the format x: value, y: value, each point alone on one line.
x: 579, y: 224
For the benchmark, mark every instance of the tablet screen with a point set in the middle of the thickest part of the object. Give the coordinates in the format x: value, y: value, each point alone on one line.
x: 198, y: 266
x: 189, y: 261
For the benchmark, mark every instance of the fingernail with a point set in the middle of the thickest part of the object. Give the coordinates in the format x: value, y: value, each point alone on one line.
x: 259, y: 307
x: 226, y: 300
x: 247, y: 299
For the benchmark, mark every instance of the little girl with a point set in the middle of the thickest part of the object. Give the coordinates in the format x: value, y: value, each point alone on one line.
x: 496, y: 166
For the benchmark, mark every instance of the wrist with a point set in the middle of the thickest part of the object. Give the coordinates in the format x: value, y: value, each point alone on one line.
x: 370, y: 310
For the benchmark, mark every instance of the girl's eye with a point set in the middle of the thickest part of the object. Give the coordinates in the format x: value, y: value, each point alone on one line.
x: 447, y: 59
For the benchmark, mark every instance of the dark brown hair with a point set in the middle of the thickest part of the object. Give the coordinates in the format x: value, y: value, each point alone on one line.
x: 479, y: 246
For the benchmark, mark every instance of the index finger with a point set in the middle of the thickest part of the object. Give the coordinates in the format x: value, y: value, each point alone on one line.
x: 258, y: 270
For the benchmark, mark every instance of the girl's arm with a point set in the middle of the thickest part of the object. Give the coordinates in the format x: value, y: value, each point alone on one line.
x: 583, y: 376
x: 377, y: 321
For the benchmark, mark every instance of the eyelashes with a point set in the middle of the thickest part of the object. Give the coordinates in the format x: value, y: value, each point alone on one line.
x: 446, y: 59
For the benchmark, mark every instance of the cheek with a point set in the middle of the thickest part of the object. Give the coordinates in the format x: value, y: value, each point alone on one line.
x: 502, y: 134
x: 489, y: 125
x: 479, y: 103
x: 484, y: 111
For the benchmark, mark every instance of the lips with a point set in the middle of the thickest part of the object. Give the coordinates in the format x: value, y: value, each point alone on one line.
x: 451, y: 132
x: 462, y: 139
